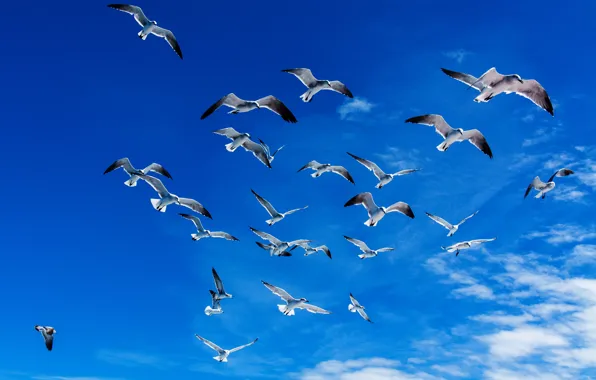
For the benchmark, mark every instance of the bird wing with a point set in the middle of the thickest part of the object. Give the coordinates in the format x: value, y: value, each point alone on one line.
x: 218, y: 282
x: 210, y: 344
x: 311, y: 165
x: 299, y: 242
x: 195, y: 206
x: 215, y: 302
x: 405, y: 171
x: 477, y: 139
x: 532, y: 90
x: 364, y: 315
x: 536, y: 183
x: 228, y: 132
x: 354, y: 301
x: 337, y: 86
x: 305, y: 76
x: 402, y: 207
x: 156, y: 184
x: 342, y: 172
x: 258, y: 151
x: 266, y: 236
x: 294, y: 210
x: 278, y: 291
x: 440, y: 220
x: 243, y: 346
x: 125, y: 162
x: 489, y: 78
x: 265, y: 203
x: 195, y: 220
x: 325, y: 249
x: 272, y: 103
x: 158, y: 169
x: 365, y: 199
x: 49, y: 340
x: 169, y: 36
x: 386, y: 249
x: 480, y: 241
x: 561, y: 173
x: 359, y: 243
x: 466, y: 218
x: 369, y: 165
x: 313, y: 309
x: 433, y: 120
x: 137, y: 12
x: 230, y: 100
x: 224, y: 235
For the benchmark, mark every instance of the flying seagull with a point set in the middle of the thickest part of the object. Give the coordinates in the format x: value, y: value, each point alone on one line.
x: 452, y: 228
x: 203, y: 233
x: 293, y: 303
x: 240, y: 105
x: 275, y: 216
x: 270, y: 155
x: 215, y: 307
x: 314, y: 85
x: 367, y: 253
x: 134, y: 174
x: 492, y: 83
x: 222, y: 355
x: 48, y: 335
x: 243, y: 140
x: 355, y: 306
x: 452, y: 135
x: 149, y: 26
x: 221, y: 293
x: 280, y: 246
x: 308, y: 250
x: 376, y: 213
x: 383, y: 177
x: 465, y: 245
x: 325, y: 168
x: 544, y: 188
x: 273, y: 251
x: 167, y: 198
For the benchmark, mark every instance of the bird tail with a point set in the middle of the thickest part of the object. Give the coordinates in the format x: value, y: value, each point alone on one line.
x: 230, y: 147
x: 141, y: 36
x: 155, y: 202
x: 540, y: 194
x: 132, y: 181
x: 378, y: 185
x: 362, y: 256
x: 284, y: 308
x: 352, y: 308
x: 304, y: 96
x: 195, y: 237
x: 208, y: 311
x: 369, y: 223
x: 442, y: 146
x: 270, y: 222
x: 220, y: 359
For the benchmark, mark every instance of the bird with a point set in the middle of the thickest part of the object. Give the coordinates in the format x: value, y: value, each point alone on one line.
x: 269, y: 102
x: 243, y: 140
x: 215, y: 307
x: 452, y: 228
x: 366, y: 251
x: 149, y: 26
x: 222, y: 355
x: 326, y: 168
x: 48, y: 335
x: 492, y: 83
x: 203, y: 233
x: 314, y: 85
x: 308, y: 250
x: 452, y: 135
x: 376, y: 213
x: 465, y: 245
x: 270, y: 156
x: 135, y: 174
x: 383, y: 177
x: 221, y: 293
x: 275, y: 216
x: 293, y: 303
x: 355, y: 306
x: 280, y: 246
x: 544, y: 188
x: 167, y: 198
x: 273, y: 251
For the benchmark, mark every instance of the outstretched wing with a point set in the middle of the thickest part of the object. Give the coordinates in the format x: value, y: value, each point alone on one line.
x: 195, y: 206
x: 169, y: 36
x: 258, y: 151
x: 266, y: 236
x: 230, y: 100
x: 488, y: 79
x: 157, y: 168
x: 480, y: 241
x: 477, y: 139
x: 402, y: 207
x: 278, y: 291
x: 265, y: 203
x: 210, y: 344
x: 229, y: 132
x: 156, y: 184
x: 272, y: 103
x: 534, y: 91
x: 337, y: 86
x: 364, y: 315
x: 359, y: 243
x: 440, y: 220
x: 195, y: 220
x: 466, y: 218
x: 224, y: 235
x: 137, y: 12
x: 305, y: 76
x: 369, y: 165
x: 123, y: 162
x: 433, y: 120
x: 313, y: 309
x: 405, y: 171
x: 218, y: 282
x: 354, y: 301
x: 325, y: 249
x: 311, y: 165
x: 561, y: 173
x: 244, y: 346
x: 342, y: 172
x: 294, y: 210
x: 365, y: 199
x: 536, y: 183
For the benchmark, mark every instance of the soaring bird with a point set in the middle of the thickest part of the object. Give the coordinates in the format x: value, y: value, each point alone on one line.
x: 48, y: 335
x: 167, y: 198
x: 367, y: 253
x: 275, y: 215
x: 315, y: 85
x: 384, y: 178
x: 544, y: 188
x: 376, y: 213
x: 215, y: 307
x: 326, y: 168
x: 293, y: 303
x: 135, y: 174
x: 355, y: 306
x: 269, y: 102
x: 465, y: 245
x: 222, y: 355
x: 451, y: 227
x: 221, y: 293
x: 308, y: 250
x: 279, y: 246
x: 203, y: 233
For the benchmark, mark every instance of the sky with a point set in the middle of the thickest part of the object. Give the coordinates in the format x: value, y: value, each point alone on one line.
x: 125, y: 286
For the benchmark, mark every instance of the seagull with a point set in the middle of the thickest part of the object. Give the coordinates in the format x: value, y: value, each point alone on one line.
x: 544, y: 188
x: 452, y: 135
x: 222, y: 355
x: 367, y: 252
x: 280, y: 246
x: 452, y: 228
x: 203, y: 233
x: 314, y: 85
x: 376, y: 213
x: 308, y: 250
x: 356, y: 307
x: 275, y: 216
x: 240, y: 106
x: 492, y: 83
x: 149, y: 26
x: 465, y: 245
x: 268, y: 151
x: 48, y: 335
x: 272, y: 249
x: 243, y: 139
x: 221, y: 293
x: 293, y: 303
x: 134, y: 174
x: 168, y: 198
x: 324, y: 168
x: 215, y: 307
x: 383, y: 177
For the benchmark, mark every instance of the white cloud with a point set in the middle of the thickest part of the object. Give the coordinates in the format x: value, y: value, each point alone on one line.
x: 459, y: 55
x: 583, y: 254
x: 528, y: 118
x: 541, y: 135
x: 569, y: 194
x: 353, y: 107
x: 452, y: 370
x: 522, y: 341
x: 471, y: 287
x: 563, y: 233
x: 401, y: 158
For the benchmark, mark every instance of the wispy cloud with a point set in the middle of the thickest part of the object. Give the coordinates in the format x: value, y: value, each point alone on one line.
x: 569, y: 194
x: 563, y: 233
x: 401, y: 159
x: 354, y: 107
x: 134, y: 359
x: 458, y: 55
x: 44, y: 377
x: 583, y: 254
x: 540, y: 136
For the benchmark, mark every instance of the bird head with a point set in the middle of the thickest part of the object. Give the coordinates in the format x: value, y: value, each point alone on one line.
x: 154, y: 22
x: 328, y: 83
x: 460, y: 130
x: 518, y: 78
x: 303, y: 300
x: 256, y: 104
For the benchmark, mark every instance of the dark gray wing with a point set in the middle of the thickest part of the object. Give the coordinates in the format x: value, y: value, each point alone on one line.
x: 477, y: 139
x: 272, y: 103
x: 230, y: 100
x: 437, y: 121
x: 305, y: 76
x: 532, y: 90
x: 137, y: 12
x: 169, y: 36
x: 125, y: 162
x: 561, y: 173
x: 337, y: 86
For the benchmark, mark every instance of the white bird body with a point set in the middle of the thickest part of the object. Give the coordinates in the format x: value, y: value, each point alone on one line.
x: 134, y: 173
x: 451, y: 227
x: 319, y: 169
x: 220, y: 294
x: 204, y: 233
x: 367, y: 253
x: 544, y: 187
x: 47, y: 332
x: 238, y: 105
x: 277, y: 247
x: 215, y: 307
x: 466, y: 245
x: 222, y: 354
x: 275, y: 215
x: 376, y: 213
x: 167, y: 198
x: 315, y: 85
x: 356, y: 307
x: 293, y: 303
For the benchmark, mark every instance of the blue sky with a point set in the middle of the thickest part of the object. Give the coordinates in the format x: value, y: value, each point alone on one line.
x: 125, y: 286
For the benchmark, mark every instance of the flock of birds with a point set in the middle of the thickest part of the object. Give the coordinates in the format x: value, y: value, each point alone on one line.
x: 489, y: 84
